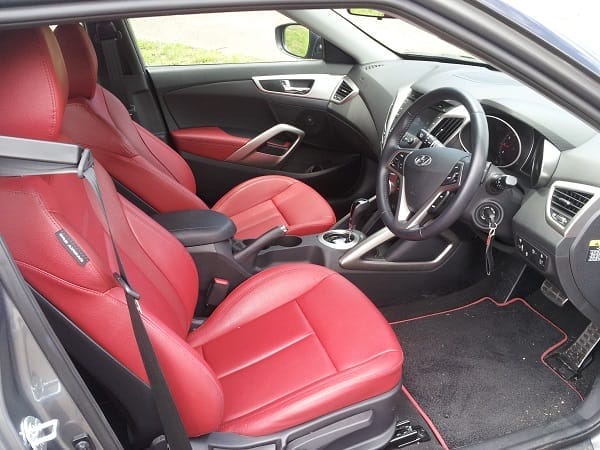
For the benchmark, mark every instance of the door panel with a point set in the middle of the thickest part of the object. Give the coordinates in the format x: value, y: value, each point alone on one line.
x: 212, y: 119
x: 214, y: 110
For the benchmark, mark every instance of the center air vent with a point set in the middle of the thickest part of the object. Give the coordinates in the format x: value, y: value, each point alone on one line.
x: 446, y: 128
x: 566, y: 203
x: 345, y: 91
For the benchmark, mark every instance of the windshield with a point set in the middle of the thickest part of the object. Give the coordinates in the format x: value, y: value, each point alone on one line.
x: 573, y: 30
x: 405, y: 38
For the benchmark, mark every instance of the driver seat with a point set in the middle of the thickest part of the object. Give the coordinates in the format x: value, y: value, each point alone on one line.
x: 295, y: 347
x: 157, y: 176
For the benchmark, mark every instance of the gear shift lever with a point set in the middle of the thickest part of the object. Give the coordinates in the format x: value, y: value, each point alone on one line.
x: 358, y: 208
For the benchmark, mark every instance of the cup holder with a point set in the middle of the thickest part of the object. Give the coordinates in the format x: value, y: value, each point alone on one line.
x: 340, y: 239
x: 288, y: 241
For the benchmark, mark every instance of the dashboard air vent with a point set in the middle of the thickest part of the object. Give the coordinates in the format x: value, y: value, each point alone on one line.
x: 345, y: 90
x: 342, y: 92
x: 566, y: 203
x: 446, y: 128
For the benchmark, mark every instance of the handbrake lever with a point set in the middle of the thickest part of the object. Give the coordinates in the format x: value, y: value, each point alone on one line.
x: 247, y: 257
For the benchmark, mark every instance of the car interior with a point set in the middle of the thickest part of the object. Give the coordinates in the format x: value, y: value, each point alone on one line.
x: 352, y: 249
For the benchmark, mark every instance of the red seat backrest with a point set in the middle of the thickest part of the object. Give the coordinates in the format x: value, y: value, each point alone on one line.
x: 96, y: 119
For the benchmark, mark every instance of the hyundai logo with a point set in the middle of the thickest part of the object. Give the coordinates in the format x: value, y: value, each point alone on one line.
x: 423, y: 160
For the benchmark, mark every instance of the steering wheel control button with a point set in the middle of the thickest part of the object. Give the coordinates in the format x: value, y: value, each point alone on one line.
x: 439, y: 202
x: 455, y: 175
x: 532, y: 254
x: 398, y: 161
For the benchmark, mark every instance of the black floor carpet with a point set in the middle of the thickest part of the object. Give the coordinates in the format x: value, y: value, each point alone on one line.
x: 477, y: 372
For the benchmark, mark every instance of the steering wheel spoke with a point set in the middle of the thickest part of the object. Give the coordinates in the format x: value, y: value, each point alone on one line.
x: 420, y: 217
x: 402, y: 209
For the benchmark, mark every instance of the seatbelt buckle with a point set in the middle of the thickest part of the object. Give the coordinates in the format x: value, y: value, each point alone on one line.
x: 217, y: 291
x: 131, y: 110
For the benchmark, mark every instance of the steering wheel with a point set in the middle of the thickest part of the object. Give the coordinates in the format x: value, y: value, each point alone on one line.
x: 427, y: 177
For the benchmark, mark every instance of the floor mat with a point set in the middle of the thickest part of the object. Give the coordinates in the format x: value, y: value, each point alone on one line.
x: 477, y: 371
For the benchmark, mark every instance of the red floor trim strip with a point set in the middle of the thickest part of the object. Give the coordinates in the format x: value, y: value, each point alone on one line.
x: 502, y: 305
x: 426, y: 418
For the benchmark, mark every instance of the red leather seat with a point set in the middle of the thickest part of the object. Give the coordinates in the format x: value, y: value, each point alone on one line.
x: 158, y: 175
x: 289, y: 345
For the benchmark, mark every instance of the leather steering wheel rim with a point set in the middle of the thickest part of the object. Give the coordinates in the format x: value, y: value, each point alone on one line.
x: 471, y: 167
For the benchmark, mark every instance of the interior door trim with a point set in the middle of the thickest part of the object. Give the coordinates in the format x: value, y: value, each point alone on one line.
x: 322, y: 89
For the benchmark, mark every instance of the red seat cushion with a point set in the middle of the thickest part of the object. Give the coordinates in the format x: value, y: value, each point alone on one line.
x: 294, y: 343
x: 148, y: 167
x: 265, y: 202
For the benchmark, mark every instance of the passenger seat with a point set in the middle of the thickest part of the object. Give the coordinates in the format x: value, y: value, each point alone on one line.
x: 158, y: 175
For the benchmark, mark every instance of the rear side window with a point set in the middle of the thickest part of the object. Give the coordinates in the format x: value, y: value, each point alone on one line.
x: 216, y: 38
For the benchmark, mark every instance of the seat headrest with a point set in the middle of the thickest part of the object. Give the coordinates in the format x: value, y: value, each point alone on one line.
x: 33, y: 84
x: 80, y: 59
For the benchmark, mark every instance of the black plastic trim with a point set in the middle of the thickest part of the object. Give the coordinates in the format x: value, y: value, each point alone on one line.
x: 380, y: 428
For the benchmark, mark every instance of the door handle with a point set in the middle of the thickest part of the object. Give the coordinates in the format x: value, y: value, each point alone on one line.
x: 249, y: 154
x: 289, y: 89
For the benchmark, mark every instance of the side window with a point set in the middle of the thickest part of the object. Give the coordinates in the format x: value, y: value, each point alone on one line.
x: 216, y: 38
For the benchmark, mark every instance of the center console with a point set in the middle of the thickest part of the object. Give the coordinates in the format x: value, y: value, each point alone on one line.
x: 358, y: 246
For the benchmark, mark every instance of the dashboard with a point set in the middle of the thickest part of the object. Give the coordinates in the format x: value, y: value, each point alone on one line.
x: 551, y: 218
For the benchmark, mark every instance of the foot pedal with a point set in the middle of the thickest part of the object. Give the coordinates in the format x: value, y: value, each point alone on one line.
x: 554, y: 294
x: 407, y: 434
x: 576, y: 356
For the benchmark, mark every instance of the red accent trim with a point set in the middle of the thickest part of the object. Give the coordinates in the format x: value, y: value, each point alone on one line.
x: 443, y: 312
x: 426, y: 418
x: 502, y: 305
x: 210, y: 142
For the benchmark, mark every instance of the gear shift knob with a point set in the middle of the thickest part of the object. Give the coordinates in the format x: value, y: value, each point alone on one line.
x: 358, y: 208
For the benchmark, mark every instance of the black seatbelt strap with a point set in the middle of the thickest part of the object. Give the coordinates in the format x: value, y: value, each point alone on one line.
x: 108, y: 36
x: 72, y: 159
